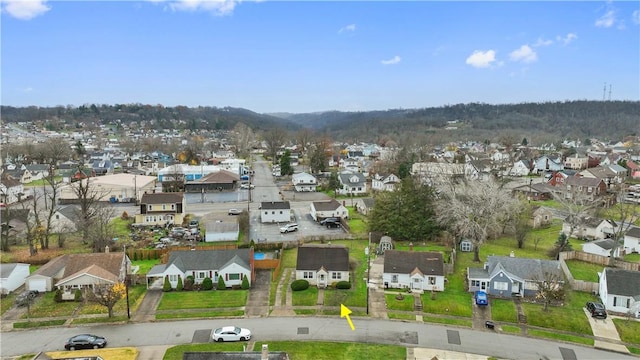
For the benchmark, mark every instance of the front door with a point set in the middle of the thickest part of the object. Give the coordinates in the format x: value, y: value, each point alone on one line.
x: 322, y: 281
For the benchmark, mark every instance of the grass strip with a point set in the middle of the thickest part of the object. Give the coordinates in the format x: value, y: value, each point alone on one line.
x: 35, y: 324
x: 562, y: 337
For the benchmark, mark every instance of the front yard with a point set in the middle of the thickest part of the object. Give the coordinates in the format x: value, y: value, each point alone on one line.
x: 581, y: 270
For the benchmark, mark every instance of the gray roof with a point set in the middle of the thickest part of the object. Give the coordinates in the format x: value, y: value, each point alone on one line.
x: 623, y: 282
x: 405, y: 262
x: 331, y: 257
x: 70, y: 211
x: 523, y: 268
x: 345, y: 179
x: 606, y: 244
x: 161, y: 198
x: 186, y: 260
x: 634, y: 232
x: 7, y: 269
x: 275, y: 205
x: 221, y: 227
x: 330, y: 205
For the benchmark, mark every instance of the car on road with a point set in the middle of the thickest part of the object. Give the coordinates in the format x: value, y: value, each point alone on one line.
x: 247, y: 186
x: 194, y: 224
x: 289, y: 228
x: 234, y: 212
x: 231, y: 333
x: 596, y: 309
x: 178, y: 231
x: 85, y: 341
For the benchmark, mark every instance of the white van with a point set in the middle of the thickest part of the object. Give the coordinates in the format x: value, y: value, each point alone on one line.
x: 289, y: 228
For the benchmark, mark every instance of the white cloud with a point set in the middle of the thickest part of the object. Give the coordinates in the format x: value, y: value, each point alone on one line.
x: 217, y: 7
x: 567, y: 39
x: 607, y: 20
x: 542, y: 42
x: 350, y: 27
x: 25, y: 9
x: 27, y: 90
x: 396, y: 59
x: 481, y: 59
x: 524, y: 54
x: 636, y: 17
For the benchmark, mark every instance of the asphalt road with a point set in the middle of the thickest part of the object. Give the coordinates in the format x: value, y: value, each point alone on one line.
x: 334, y: 328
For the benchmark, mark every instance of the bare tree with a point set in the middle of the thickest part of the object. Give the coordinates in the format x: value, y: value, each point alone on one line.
x: 623, y: 214
x: 102, y: 230
x: 242, y: 138
x: 50, y: 201
x: 472, y: 210
x: 550, y: 289
x: 88, y: 198
x: 33, y: 224
x: 522, y: 225
x: 274, y: 139
x: 576, y: 207
x: 56, y: 150
x: 303, y: 137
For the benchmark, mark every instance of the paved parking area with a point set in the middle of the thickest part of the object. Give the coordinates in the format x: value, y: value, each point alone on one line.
x: 605, y: 329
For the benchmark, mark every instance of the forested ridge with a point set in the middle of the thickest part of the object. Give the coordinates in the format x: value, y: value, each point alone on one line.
x: 569, y: 119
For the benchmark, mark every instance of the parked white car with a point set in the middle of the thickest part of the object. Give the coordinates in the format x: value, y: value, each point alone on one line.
x: 289, y: 228
x: 231, y: 333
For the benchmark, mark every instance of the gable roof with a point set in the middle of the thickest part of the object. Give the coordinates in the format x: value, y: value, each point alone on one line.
x: 634, y: 232
x: 606, y: 244
x: 275, y: 205
x: 525, y: 269
x: 405, y: 262
x: 7, y: 269
x: 623, y: 282
x: 330, y: 257
x: 218, y: 177
x: 161, y: 198
x: 329, y: 205
x: 346, y: 179
x: 208, y: 259
x: 103, y: 265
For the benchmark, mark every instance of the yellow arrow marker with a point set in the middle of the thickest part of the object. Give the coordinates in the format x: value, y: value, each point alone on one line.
x: 344, y: 312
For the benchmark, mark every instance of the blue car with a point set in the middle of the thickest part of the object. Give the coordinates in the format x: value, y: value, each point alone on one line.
x: 481, y: 298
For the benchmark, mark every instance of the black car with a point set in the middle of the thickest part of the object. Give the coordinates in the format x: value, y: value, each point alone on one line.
x: 596, y: 309
x: 85, y: 341
x: 330, y: 222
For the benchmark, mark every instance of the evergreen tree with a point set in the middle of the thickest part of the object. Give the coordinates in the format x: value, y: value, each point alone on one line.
x: 179, y: 286
x: 167, y: 285
x: 285, y: 164
x: 245, y: 283
x: 334, y: 182
x: 221, y: 284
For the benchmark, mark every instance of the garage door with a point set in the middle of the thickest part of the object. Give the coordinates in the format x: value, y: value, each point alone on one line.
x: 38, y: 284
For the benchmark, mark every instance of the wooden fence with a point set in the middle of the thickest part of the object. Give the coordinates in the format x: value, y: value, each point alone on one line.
x: 590, y: 286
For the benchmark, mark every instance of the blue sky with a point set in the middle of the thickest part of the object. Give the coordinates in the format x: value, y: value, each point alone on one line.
x: 294, y: 56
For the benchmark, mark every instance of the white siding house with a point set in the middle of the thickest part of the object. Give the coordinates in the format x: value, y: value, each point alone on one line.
x: 620, y: 291
x: 304, y: 182
x: 12, y: 276
x: 324, y: 209
x: 632, y: 240
x: 275, y: 212
x: 415, y: 270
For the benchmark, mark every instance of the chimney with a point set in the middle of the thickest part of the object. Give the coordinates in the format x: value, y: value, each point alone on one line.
x: 265, y: 352
x: 106, y: 249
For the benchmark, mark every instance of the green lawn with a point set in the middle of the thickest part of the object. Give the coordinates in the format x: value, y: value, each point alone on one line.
x: 45, y: 306
x: 145, y: 265
x: 454, y: 300
x: 336, y: 350
x: 633, y: 257
x: 569, y: 317
x: 289, y: 258
x: 563, y: 337
x: 511, y: 329
x: 136, y: 293
x: 581, y: 270
x: 357, y: 295
x: 503, y: 310
x: 175, y: 352
x: 176, y: 300
x: 406, y: 304
x: 308, y: 297
x: 447, y: 321
x: 7, y: 302
x: 200, y: 314
x: 629, y: 331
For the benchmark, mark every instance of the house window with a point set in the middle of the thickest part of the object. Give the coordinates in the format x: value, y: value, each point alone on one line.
x: 202, y: 275
x: 501, y: 285
x: 234, y: 276
x: 273, y: 213
x: 615, y: 301
x: 416, y: 280
x: 173, y: 278
x: 149, y: 207
x: 57, y: 217
x: 336, y: 275
x: 307, y: 275
x: 394, y: 278
x: 628, y: 303
x: 432, y: 280
x: 164, y: 207
x: 173, y: 206
x: 465, y: 246
x: 280, y: 212
x: 475, y: 283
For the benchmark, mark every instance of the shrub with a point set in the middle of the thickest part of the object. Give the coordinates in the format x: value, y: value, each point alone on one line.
x: 58, y: 296
x: 125, y: 216
x: 299, y: 285
x: 221, y: 284
x: 179, y: 286
x: 188, y: 283
x: 167, y: 285
x: 343, y: 285
x: 207, y: 284
x: 77, y: 295
x: 245, y: 283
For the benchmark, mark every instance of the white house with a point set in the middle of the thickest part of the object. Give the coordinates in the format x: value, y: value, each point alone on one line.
x: 620, y: 290
x: 221, y: 231
x: 304, y: 182
x: 275, y: 211
x: 352, y: 184
x: 385, y: 183
x: 10, y: 189
x: 632, y: 240
x: 520, y: 168
x: 591, y: 229
x: 415, y: 270
x: 325, y: 209
x: 602, y: 247
x: 232, y: 265
x: 65, y: 218
x: 322, y: 265
x: 12, y: 276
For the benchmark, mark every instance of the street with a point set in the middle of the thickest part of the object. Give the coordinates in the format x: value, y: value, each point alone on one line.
x: 372, y: 331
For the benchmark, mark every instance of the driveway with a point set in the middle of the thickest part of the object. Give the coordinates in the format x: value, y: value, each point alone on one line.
x: 147, y: 309
x: 258, y: 301
x: 605, y: 333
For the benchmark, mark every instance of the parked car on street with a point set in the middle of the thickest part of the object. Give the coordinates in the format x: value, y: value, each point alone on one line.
x: 247, y: 186
x: 596, y: 309
x: 289, y: 228
x: 481, y: 298
x: 231, y: 333
x: 234, y: 212
x: 85, y: 341
x: 331, y: 222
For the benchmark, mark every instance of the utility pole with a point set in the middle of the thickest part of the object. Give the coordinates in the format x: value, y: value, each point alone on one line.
x: 126, y: 280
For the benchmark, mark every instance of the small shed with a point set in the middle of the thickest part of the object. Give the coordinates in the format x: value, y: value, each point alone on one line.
x: 385, y: 244
x: 221, y: 231
x: 466, y: 245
